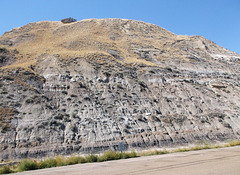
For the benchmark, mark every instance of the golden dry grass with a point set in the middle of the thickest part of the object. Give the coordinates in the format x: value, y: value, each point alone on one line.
x: 186, y: 149
x: 88, y: 36
x: 28, y: 164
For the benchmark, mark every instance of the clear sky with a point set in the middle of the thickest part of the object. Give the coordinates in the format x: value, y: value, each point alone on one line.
x: 217, y: 20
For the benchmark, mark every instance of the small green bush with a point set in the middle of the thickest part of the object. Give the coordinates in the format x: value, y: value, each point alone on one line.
x: 27, y: 164
x: 234, y: 143
x: 82, y: 159
x: 125, y: 155
x: 162, y: 152
x: 5, y: 170
x: 182, y: 150
x: 132, y: 154
x: 48, y: 163
x: 109, y: 155
x: 72, y: 160
x: 42, y: 164
x: 112, y: 155
x: 60, y: 161
x: 92, y: 158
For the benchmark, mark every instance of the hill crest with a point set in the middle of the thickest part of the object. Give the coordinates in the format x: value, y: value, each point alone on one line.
x: 129, y: 38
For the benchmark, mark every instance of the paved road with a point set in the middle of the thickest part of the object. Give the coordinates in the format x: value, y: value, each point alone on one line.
x: 224, y: 161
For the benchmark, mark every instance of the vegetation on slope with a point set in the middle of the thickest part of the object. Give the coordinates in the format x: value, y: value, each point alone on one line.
x: 29, y: 164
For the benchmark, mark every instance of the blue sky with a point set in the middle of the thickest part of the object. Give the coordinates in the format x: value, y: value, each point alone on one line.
x: 217, y: 20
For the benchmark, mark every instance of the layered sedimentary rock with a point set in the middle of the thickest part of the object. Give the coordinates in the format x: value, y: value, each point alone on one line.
x: 86, y: 86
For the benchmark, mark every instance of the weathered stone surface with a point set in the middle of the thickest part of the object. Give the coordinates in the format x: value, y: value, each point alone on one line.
x: 182, y: 91
x: 6, y: 57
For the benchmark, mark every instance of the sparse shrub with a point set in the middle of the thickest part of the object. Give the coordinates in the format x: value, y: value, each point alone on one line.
x: 42, y: 164
x: 5, y: 170
x: 51, y: 162
x: 234, y: 143
x: 124, y: 155
x: 72, y: 160
x: 113, y: 155
x: 182, y: 150
x: 132, y: 154
x: 48, y: 163
x: 82, y: 159
x: 92, y: 158
x: 109, y: 155
x: 161, y: 152
x: 68, y: 20
x: 128, y: 155
x: 27, y: 164
x: 150, y: 153
x: 60, y: 161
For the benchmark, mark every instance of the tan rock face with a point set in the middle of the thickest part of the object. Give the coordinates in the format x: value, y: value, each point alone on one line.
x: 88, y: 85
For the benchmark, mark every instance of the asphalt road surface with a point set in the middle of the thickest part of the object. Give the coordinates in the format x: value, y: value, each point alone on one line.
x: 223, y: 161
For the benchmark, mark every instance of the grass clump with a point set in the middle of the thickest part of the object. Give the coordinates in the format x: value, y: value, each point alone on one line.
x: 48, y: 163
x: 60, y: 161
x: 109, y: 155
x: 5, y: 170
x: 234, y: 143
x: 155, y: 152
x: 186, y: 149
x: 27, y: 165
x: 72, y: 160
x: 82, y: 159
x: 160, y: 152
x: 113, y: 155
x: 128, y: 155
x: 91, y: 158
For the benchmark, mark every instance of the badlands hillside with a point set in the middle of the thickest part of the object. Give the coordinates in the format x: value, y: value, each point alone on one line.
x: 84, y: 87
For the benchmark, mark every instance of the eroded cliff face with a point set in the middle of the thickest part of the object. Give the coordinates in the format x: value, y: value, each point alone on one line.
x: 86, y: 86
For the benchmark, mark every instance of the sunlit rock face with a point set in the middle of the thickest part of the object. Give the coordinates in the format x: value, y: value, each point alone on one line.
x: 84, y: 87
